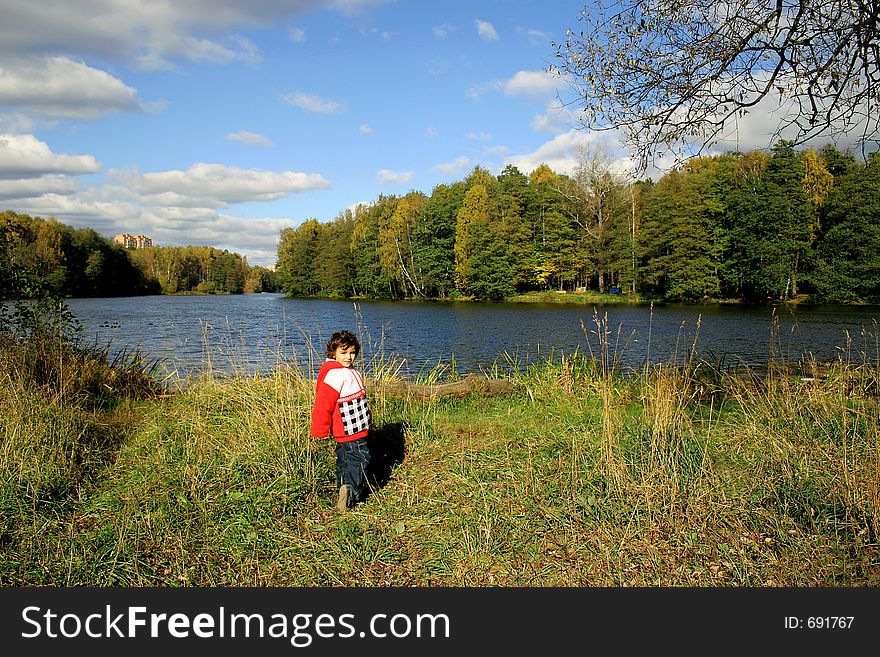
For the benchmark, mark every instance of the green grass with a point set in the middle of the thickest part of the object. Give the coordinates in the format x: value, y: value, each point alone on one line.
x: 580, y: 478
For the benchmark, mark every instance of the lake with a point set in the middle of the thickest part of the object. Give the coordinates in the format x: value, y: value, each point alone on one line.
x: 254, y: 333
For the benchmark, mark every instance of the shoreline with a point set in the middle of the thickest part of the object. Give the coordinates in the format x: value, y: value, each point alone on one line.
x: 580, y: 298
x: 542, y: 297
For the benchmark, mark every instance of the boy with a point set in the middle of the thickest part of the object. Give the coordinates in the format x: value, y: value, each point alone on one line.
x: 341, y: 410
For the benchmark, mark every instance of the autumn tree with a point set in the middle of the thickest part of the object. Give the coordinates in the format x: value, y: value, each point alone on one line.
x: 681, y: 233
x: 474, y: 211
x: 40, y: 256
x: 847, y: 267
x: 514, y: 225
x: 260, y: 279
x: 623, y: 235
x: 296, y: 259
x: 95, y: 266
x: 771, y: 227
x: 364, y: 247
x: 14, y: 277
x: 559, y: 260
x: 490, y: 270
x: 39, y: 252
x: 434, y: 239
x: 678, y: 74
x: 396, y: 244
x: 595, y: 193
x: 332, y: 262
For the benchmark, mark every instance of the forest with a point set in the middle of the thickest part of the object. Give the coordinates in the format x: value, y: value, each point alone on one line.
x: 751, y: 227
x: 46, y: 257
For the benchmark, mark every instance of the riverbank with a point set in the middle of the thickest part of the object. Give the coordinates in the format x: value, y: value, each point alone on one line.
x: 587, y: 297
x: 542, y: 296
x: 593, y: 297
x: 674, y: 477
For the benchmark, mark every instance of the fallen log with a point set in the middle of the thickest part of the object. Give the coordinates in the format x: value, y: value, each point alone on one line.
x: 470, y: 385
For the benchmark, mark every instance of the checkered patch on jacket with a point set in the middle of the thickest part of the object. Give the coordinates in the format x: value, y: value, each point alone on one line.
x: 355, y: 415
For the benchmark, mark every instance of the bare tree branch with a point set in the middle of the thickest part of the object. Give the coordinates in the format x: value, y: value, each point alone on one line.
x: 673, y: 74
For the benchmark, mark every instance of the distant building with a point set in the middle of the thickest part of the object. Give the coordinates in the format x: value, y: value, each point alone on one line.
x: 133, y: 241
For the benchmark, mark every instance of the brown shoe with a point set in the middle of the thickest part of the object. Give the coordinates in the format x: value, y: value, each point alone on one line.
x: 344, y: 498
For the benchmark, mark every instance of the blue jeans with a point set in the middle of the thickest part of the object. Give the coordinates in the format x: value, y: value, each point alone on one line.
x: 352, y: 463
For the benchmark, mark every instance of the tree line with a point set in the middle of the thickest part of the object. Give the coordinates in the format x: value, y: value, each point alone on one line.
x: 44, y: 256
x: 751, y: 227
x: 202, y: 269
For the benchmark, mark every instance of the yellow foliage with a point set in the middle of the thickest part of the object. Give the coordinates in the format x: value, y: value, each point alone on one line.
x: 817, y: 179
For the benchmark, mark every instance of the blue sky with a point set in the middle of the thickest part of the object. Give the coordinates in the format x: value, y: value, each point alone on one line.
x: 221, y: 122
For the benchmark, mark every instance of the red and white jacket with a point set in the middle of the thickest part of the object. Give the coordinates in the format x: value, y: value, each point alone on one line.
x: 340, y: 408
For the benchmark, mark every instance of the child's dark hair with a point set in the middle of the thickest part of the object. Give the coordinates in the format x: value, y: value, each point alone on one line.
x: 342, y: 339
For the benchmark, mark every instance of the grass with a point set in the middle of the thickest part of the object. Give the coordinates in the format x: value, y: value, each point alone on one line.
x: 672, y: 476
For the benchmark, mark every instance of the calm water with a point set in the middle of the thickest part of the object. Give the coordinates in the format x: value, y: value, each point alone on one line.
x: 254, y: 333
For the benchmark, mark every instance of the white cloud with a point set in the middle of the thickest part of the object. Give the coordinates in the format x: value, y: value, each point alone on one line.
x: 28, y: 187
x: 531, y: 83
x: 437, y: 67
x: 78, y: 210
x: 252, y: 138
x: 297, y: 34
x: 210, y: 52
x: 535, y: 36
x: 255, y: 238
x: 762, y: 126
x: 393, y: 177
x: 545, y: 123
x: 353, y: 6
x: 560, y: 153
x: 312, y: 103
x: 354, y: 206
x: 476, y: 91
x: 202, y: 51
x: 172, y: 207
x: 431, y: 131
x: 154, y: 62
x: 216, y: 185
x: 155, y: 106
x: 486, y: 30
x: 365, y: 129
x: 443, y: 31
x: 148, y: 33
x: 524, y: 83
x: 25, y: 156
x: 458, y: 165
x: 482, y: 136
x: 385, y: 35
x: 16, y: 123
x: 498, y: 150
x: 563, y: 153
x: 757, y: 130
x: 59, y: 87
x: 556, y: 119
